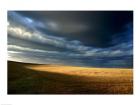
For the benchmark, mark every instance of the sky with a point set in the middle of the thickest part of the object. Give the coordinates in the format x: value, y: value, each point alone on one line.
x: 78, y: 38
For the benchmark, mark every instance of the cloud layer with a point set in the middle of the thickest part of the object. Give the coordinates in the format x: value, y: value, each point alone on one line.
x: 45, y: 40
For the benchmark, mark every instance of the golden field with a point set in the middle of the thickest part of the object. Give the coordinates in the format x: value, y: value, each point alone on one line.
x: 26, y: 78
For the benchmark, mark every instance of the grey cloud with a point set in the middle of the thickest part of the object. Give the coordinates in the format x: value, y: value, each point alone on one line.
x: 26, y: 43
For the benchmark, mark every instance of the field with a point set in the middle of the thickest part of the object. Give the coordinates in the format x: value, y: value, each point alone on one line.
x: 26, y: 78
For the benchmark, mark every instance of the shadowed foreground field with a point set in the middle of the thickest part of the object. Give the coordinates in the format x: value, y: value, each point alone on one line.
x: 26, y: 78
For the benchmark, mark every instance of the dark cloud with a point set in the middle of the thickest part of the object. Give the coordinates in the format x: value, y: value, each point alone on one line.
x: 92, y: 28
x: 85, y: 38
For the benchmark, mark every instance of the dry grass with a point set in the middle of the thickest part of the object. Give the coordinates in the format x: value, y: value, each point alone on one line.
x: 59, y: 79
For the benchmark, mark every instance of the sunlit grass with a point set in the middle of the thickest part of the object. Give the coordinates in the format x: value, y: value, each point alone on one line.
x: 83, y: 71
x: 59, y: 79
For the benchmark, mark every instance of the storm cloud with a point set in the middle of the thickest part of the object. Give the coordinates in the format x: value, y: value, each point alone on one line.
x: 81, y: 38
